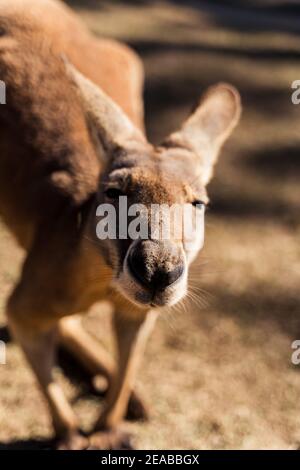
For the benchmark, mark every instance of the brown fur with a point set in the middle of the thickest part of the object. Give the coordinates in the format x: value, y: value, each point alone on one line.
x: 59, y: 133
x: 59, y: 157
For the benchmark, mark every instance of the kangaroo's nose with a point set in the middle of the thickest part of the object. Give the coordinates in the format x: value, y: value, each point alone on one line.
x: 150, y: 263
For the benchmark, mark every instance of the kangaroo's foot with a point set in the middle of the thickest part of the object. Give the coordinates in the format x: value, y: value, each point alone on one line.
x: 72, y: 441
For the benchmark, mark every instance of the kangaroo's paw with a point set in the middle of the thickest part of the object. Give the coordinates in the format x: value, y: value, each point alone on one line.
x: 74, y: 441
x: 112, y: 439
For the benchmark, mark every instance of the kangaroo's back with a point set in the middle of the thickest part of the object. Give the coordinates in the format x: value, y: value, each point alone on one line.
x: 47, y: 160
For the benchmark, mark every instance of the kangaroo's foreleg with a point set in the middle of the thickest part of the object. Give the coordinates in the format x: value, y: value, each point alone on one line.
x: 95, y: 359
x: 39, y: 348
x: 131, y: 337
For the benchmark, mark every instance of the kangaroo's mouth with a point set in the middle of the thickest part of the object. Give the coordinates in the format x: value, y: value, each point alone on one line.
x: 154, y: 296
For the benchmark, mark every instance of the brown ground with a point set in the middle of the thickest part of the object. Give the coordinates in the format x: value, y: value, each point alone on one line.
x: 217, y: 375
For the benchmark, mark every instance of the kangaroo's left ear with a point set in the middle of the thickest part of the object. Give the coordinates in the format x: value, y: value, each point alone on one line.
x: 110, y: 123
x: 210, y: 125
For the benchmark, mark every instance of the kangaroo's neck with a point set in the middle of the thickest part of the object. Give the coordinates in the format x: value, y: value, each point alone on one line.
x: 72, y: 273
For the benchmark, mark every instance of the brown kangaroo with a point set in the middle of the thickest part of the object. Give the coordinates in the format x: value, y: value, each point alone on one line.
x: 72, y: 138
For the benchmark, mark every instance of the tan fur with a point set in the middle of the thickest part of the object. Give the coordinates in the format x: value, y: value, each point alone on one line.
x: 74, y: 114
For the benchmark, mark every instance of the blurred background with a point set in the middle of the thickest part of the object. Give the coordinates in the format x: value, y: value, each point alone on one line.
x: 218, y: 373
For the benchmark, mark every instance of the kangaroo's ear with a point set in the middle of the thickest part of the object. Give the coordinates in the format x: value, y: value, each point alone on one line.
x: 210, y: 125
x: 106, y: 119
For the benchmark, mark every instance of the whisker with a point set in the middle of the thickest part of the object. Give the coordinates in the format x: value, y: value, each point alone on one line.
x: 199, y: 301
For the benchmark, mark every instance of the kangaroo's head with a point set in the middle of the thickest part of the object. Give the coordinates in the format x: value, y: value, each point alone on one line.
x: 139, y: 183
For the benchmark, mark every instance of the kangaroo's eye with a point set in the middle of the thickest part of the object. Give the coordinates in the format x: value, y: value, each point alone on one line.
x: 113, y: 193
x: 198, y: 203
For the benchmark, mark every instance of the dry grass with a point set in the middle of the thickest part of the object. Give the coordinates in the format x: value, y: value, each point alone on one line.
x: 225, y: 378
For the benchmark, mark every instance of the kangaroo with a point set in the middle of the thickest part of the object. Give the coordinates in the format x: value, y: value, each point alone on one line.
x: 72, y: 138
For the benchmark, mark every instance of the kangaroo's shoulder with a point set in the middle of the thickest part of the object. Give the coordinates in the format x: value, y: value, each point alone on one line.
x: 112, y: 65
x: 42, y: 105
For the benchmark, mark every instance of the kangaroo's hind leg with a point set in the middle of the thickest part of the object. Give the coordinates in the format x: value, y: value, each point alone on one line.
x: 39, y: 346
x: 95, y: 359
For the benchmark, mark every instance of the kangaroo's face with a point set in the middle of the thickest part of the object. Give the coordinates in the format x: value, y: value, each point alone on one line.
x: 151, y: 201
x: 151, y: 187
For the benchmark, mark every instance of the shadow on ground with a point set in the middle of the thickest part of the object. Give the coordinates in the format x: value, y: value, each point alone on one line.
x: 281, y: 163
x: 263, y: 307
x: 30, y: 444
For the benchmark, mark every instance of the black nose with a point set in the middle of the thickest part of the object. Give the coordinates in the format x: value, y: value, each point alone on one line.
x: 152, y: 272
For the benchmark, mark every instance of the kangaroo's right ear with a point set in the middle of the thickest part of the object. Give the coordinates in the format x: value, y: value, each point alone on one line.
x: 210, y: 125
x: 107, y: 120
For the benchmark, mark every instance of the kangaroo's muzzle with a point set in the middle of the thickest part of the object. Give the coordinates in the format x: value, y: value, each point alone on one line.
x: 155, y: 264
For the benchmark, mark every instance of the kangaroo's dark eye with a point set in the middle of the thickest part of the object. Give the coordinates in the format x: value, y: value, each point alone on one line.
x: 113, y: 193
x: 198, y: 203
